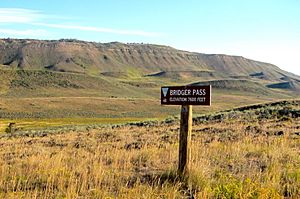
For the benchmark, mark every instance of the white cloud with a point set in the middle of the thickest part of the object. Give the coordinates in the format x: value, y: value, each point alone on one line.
x: 37, y: 18
x: 100, y: 29
x: 29, y: 32
x: 17, y: 15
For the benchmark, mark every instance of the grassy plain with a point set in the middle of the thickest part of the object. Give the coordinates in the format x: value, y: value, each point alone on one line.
x: 45, y: 112
x: 66, y: 147
x: 44, y: 124
x: 244, y: 153
x: 46, y: 94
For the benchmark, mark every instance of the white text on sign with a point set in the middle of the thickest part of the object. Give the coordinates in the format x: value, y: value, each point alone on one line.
x: 183, y: 92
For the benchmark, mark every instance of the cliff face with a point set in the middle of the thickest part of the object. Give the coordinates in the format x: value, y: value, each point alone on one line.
x: 103, y: 58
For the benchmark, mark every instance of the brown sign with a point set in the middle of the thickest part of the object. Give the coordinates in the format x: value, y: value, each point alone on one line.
x: 186, y: 95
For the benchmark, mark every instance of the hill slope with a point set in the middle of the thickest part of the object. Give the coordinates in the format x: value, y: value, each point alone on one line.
x: 97, y: 58
x: 69, y: 78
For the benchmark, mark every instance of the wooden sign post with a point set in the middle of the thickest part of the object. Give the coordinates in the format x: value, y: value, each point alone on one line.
x: 186, y: 122
x: 186, y: 96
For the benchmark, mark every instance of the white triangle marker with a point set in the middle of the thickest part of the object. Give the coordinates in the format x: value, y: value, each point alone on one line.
x: 165, y: 91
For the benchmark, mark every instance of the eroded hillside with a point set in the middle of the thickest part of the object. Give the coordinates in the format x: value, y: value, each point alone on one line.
x: 97, y: 58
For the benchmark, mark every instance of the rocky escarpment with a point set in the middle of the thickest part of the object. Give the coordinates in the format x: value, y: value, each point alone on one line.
x: 108, y: 58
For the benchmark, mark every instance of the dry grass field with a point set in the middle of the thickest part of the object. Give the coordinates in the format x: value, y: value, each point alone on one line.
x: 246, y: 153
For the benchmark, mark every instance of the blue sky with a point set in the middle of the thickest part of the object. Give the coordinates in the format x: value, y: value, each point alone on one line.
x: 264, y: 30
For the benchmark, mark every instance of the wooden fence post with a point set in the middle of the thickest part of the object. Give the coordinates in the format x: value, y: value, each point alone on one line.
x: 12, y: 127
